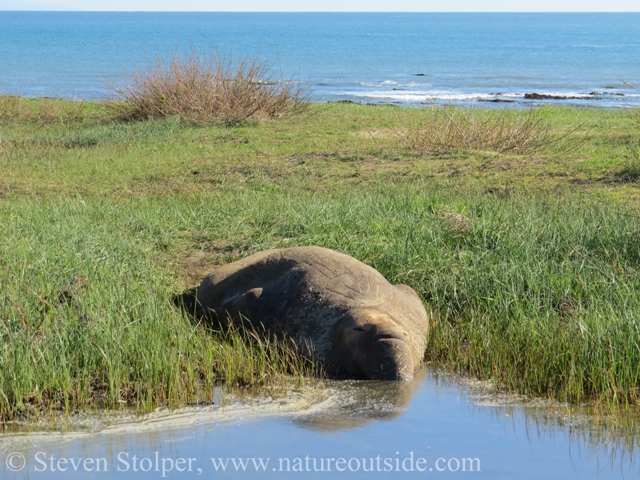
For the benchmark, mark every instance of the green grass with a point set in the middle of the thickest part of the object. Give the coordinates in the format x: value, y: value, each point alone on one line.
x: 527, y: 263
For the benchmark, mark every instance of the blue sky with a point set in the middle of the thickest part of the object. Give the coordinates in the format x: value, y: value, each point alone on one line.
x: 330, y: 5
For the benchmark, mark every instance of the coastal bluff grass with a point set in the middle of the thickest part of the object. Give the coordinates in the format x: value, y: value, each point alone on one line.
x: 527, y: 262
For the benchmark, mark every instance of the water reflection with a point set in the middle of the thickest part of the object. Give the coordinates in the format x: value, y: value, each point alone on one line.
x: 617, y: 431
x: 436, y: 417
x: 357, y: 403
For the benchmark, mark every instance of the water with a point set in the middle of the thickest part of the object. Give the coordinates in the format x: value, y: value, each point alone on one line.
x: 387, y: 426
x: 403, y: 58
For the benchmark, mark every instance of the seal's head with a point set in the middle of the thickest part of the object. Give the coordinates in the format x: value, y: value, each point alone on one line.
x: 369, y: 344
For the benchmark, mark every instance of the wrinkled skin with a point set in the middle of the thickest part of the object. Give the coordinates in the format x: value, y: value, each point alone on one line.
x: 341, y: 311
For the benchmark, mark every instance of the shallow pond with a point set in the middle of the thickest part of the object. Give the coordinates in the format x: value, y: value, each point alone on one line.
x: 435, y: 426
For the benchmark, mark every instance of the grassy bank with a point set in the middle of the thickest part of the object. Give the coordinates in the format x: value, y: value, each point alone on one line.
x: 528, y: 261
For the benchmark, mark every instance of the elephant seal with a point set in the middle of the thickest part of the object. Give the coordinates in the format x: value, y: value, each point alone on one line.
x: 342, y: 312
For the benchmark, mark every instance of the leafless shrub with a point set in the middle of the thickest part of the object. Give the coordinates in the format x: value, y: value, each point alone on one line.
x: 449, y: 129
x: 203, y: 88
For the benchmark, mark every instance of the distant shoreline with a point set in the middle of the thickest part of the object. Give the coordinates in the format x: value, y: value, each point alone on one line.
x: 488, y: 102
x: 399, y: 58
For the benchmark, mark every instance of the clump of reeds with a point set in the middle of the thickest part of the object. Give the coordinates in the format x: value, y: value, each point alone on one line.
x: 172, y: 374
x: 203, y: 88
x: 635, y: 114
x: 260, y: 359
x: 450, y: 129
x: 18, y: 109
x: 635, y: 111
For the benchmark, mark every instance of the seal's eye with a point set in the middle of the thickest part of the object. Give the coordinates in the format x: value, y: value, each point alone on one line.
x: 358, y: 329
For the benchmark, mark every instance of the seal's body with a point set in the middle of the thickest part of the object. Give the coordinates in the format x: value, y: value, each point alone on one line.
x: 341, y: 311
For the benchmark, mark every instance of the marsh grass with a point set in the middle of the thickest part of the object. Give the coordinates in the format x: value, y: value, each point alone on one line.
x: 449, y: 129
x: 539, y: 295
x: 72, y: 359
x: 202, y: 89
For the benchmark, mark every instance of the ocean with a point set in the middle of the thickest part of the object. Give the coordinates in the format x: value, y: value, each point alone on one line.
x: 400, y: 58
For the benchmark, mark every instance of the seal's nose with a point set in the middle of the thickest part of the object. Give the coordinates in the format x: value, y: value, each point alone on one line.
x: 382, y: 332
x: 390, y: 335
x: 390, y: 359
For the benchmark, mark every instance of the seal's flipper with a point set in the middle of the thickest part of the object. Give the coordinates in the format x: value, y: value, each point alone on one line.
x: 242, y: 305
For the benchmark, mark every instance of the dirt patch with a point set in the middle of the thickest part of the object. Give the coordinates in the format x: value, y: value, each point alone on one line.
x: 196, y: 266
x: 192, y: 266
x: 624, y: 176
x: 379, y: 133
x: 300, y: 159
x: 4, y: 191
x: 503, y: 164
